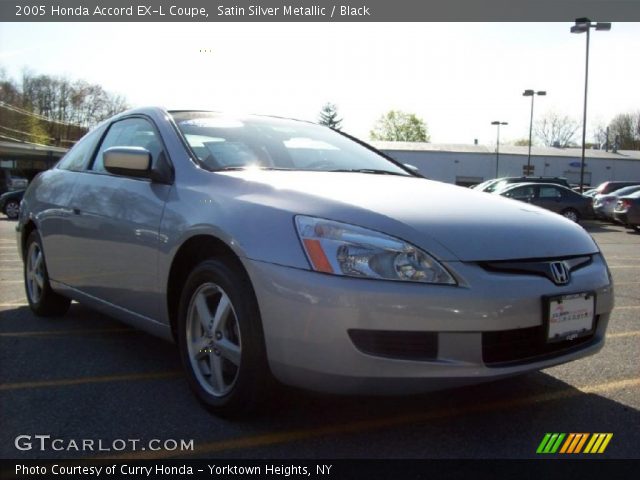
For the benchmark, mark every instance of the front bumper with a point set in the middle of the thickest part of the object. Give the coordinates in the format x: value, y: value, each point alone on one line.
x: 307, y: 317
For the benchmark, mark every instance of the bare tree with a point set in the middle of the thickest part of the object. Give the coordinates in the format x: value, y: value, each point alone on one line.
x: 53, y: 110
x: 556, y: 130
x: 600, y: 135
x: 624, y: 131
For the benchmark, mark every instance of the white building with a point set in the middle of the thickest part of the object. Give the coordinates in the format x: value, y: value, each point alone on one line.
x: 470, y: 164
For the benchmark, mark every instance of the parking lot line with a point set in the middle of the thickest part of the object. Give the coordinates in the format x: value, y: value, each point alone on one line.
x: 84, y: 380
x: 87, y: 331
x: 15, y: 301
x: 623, y: 334
x: 624, y: 266
x: 9, y: 305
x: 359, y: 426
x: 627, y: 307
x: 11, y: 281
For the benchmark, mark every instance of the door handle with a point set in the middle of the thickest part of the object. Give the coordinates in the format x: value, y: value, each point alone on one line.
x: 76, y: 211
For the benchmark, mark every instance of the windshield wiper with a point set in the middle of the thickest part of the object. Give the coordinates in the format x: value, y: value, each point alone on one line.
x: 370, y: 170
x: 231, y: 168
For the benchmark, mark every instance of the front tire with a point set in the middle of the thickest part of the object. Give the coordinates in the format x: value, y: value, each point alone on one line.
x: 221, y: 339
x: 43, y: 301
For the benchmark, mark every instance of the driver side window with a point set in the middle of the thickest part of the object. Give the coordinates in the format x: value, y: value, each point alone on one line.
x: 131, y: 132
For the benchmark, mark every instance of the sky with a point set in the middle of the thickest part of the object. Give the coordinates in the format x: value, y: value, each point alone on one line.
x: 457, y: 77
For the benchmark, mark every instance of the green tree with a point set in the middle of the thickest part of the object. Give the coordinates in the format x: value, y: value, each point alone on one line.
x: 521, y: 142
x: 398, y: 126
x: 329, y: 116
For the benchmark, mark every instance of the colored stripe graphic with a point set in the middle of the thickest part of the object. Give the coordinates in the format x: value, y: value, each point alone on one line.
x: 566, y: 445
x: 543, y: 443
x: 598, y: 443
x: 574, y: 443
x: 550, y: 443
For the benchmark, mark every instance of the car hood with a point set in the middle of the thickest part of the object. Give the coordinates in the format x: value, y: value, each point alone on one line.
x: 451, y: 222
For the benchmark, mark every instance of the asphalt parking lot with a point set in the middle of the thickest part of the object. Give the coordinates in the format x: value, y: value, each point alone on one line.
x: 86, y: 376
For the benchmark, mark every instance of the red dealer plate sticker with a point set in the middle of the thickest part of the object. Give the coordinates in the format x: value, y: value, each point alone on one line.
x: 570, y: 316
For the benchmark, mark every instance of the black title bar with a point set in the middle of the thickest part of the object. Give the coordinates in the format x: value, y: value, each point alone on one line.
x: 328, y: 469
x: 316, y: 11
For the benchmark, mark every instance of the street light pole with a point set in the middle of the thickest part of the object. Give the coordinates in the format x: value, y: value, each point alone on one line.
x: 498, y: 123
x: 531, y: 93
x: 584, y: 25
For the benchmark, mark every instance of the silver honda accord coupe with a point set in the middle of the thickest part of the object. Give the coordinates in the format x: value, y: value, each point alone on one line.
x: 268, y: 247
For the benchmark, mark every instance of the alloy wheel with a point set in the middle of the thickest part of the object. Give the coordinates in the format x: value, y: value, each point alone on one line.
x: 35, y: 272
x: 12, y: 209
x: 213, y: 339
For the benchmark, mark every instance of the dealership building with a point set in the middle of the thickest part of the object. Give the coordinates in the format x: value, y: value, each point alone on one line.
x: 471, y: 164
x: 458, y: 164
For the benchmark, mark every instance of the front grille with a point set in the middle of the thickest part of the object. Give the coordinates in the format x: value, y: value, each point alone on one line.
x: 539, y: 267
x: 524, y: 345
x: 394, y: 344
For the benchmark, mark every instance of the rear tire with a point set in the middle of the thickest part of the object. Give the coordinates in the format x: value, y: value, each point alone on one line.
x: 571, y: 214
x: 221, y: 339
x: 12, y: 209
x: 43, y: 301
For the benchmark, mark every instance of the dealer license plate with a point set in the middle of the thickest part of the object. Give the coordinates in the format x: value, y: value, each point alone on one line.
x: 570, y: 316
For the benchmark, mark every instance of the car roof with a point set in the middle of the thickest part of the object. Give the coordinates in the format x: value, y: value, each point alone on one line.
x: 536, y: 184
x: 159, y: 112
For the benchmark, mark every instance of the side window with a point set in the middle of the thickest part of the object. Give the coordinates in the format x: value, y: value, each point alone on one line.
x: 522, y: 193
x: 131, y: 132
x: 77, y: 157
x: 549, y: 193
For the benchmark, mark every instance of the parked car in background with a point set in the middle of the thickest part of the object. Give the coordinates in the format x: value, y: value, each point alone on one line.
x: 608, y: 187
x: 265, y: 246
x: 605, y: 203
x: 10, y: 182
x: 556, y: 198
x: 10, y: 203
x: 627, y: 211
x: 592, y: 192
x: 500, y: 183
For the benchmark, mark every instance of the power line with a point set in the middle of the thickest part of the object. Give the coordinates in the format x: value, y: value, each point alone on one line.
x: 15, y: 109
x: 37, y: 135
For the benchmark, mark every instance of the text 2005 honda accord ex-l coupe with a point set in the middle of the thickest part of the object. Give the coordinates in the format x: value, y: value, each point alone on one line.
x: 266, y: 246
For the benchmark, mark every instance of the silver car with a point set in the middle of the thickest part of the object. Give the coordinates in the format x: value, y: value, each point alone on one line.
x: 268, y: 248
x: 605, y: 204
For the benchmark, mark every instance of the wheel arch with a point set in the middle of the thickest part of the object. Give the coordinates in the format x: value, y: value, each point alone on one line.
x: 26, y: 230
x: 193, y: 251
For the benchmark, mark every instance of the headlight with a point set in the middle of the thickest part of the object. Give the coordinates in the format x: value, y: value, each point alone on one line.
x: 343, y: 249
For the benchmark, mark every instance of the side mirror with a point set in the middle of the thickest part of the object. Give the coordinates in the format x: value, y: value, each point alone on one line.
x: 128, y: 161
x: 413, y: 169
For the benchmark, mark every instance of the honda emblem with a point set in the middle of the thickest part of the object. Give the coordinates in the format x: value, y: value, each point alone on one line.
x: 559, y: 273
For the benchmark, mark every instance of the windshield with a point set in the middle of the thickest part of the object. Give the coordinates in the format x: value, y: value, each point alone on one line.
x: 482, y: 186
x: 626, y: 191
x: 225, y: 143
x: 498, y: 186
